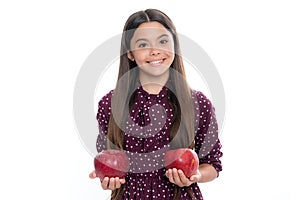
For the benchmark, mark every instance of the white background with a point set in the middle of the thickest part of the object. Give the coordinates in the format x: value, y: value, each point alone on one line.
x: 254, y: 44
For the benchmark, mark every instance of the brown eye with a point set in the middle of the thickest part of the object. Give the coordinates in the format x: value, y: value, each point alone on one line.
x: 163, y: 41
x: 142, y: 45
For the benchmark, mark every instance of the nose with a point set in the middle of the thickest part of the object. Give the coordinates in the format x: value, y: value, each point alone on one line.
x: 154, y: 52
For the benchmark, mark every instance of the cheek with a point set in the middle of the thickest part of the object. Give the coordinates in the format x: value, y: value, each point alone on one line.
x: 140, y: 55
x: 171, y: 55
x: 169, y: 50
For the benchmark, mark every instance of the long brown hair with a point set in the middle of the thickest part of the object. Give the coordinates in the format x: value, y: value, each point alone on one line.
x: 179, y: 96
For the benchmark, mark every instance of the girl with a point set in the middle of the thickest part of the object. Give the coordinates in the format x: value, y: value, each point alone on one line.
x: 152, y: 110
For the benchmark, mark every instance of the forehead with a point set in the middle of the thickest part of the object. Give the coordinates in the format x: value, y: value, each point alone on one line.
x: 150, y: 30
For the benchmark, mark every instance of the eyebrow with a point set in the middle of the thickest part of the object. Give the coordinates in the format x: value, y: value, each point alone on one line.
x: 144, y: 39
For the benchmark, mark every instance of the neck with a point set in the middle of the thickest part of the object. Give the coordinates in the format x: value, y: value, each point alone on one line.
x: 152, y: 84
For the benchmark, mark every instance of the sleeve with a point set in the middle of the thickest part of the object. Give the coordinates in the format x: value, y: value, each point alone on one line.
x: 207, y: 142
x: 103, y: 115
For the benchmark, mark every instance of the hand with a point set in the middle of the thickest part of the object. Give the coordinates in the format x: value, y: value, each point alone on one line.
x: 177, y: 177
x: 109, y: 183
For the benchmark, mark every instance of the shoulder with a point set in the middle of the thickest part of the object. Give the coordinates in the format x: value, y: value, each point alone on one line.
x: 203, y: 105
x: 104, y: 104
x: 106, y: 99
x: 104, y: 107
x: 201, y: 98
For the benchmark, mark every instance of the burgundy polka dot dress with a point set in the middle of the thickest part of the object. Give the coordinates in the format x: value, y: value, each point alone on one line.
x: 147, y: 138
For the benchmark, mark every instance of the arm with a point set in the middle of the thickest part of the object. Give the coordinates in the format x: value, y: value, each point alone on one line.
x: 207, y: 146
x: 208, y: 173
x: 103, y: 116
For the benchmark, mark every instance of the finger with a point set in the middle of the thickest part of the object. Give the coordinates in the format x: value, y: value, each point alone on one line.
x: 118, y: 184
x: 170, y: 176
x: 104, y: 183
x: 122, y: 180
x: 196, y: 177
x: 92, y: 175
x: 112, y: 184
x: 193, y: 178
x: 177, y: 178
x: 184, y: 180
x: 167, y: 173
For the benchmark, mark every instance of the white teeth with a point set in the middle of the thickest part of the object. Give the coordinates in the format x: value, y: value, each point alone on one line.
x: 155, y: 62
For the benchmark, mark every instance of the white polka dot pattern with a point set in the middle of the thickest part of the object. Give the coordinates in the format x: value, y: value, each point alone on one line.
x: 146, y: 139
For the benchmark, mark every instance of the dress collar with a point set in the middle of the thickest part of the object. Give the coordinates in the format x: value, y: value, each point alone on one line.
x: 162, y: 93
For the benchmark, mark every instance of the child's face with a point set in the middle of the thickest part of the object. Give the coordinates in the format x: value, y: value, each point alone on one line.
x: 152, y: 48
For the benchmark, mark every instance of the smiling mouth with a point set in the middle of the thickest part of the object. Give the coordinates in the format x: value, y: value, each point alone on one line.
x: 156, y: 62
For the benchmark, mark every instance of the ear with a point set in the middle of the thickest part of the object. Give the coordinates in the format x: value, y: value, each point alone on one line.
x: 130, y: 56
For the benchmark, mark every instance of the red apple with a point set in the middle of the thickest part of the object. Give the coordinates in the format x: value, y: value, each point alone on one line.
x: 111, y: 163
x: 184, y: 159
